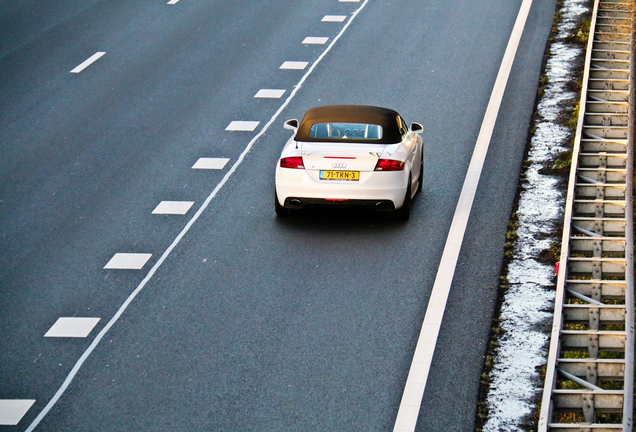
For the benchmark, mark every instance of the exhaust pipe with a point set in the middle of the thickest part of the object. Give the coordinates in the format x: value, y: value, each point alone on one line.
x: 381, y: 206
x: 295, y: 202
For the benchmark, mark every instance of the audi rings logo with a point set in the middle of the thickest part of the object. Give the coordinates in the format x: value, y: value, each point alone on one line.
x: 338, y: 165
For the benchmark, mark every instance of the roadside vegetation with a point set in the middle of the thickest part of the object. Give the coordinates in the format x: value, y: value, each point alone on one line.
x: 559, y: 167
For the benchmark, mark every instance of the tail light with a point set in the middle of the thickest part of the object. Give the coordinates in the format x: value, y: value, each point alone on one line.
x: 292, y: 162
x: 389, y: 165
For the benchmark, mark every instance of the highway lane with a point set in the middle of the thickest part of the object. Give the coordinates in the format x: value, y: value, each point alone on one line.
x: 253, y: 323
x: 68, y: 207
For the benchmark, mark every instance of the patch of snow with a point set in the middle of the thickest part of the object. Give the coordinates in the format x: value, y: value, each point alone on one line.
x: 526, y: 313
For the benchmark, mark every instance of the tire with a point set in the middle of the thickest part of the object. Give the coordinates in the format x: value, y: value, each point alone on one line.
x: 404, y: 212
x: 280, y: 210
x: 421, y: 177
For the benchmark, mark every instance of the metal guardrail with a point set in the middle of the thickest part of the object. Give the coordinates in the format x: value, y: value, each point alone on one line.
x: 590, y: 365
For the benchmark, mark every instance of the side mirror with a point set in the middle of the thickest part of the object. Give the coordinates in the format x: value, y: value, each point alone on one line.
x: 291, y: 125
x: 416, y: 128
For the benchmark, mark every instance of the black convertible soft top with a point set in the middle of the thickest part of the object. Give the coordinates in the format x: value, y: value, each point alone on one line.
x: 387, y: 118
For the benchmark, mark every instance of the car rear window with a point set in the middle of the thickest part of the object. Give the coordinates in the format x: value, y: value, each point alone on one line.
x: 346, y: 131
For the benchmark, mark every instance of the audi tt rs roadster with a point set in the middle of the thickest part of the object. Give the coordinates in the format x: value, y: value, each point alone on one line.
x: 350, y: 154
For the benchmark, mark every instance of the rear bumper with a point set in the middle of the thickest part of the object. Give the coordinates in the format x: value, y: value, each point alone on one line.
x: 382, y: 190
x: 300, y: 202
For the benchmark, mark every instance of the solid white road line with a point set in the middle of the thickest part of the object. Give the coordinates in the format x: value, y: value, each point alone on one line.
x: 89, y: 61
x: 418, y: 374
x: 56, y: 397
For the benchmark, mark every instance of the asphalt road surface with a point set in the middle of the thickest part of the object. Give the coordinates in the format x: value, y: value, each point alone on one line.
x: 242, y: 321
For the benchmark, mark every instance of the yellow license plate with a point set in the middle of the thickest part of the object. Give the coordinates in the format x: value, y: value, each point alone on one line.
x: 340, y: 175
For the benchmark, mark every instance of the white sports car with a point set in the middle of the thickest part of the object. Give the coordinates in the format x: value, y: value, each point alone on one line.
x: 350, y: 154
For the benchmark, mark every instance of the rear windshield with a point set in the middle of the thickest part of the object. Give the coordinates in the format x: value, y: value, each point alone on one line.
x: 346, y: 131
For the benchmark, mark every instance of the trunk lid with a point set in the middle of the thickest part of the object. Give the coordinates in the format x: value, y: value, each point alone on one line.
x: 348, y: 157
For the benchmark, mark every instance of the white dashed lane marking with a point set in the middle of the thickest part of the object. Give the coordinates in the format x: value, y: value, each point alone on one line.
x: 210, y: 163
x: 334, y: 18
x: 245, y: 126
x: 173, y: 207
x: 315, y: 40
x: 72, y: 327
x: 89, y: 61
x: 269, y: 93
x: 12, y: 410
x: 128, y: 261
x: 171, y: 2
x: 298, y: 65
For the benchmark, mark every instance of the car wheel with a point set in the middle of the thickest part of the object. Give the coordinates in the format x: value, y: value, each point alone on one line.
x: 404, y: 212
x: 280, y: 210
x: 421, y: 177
